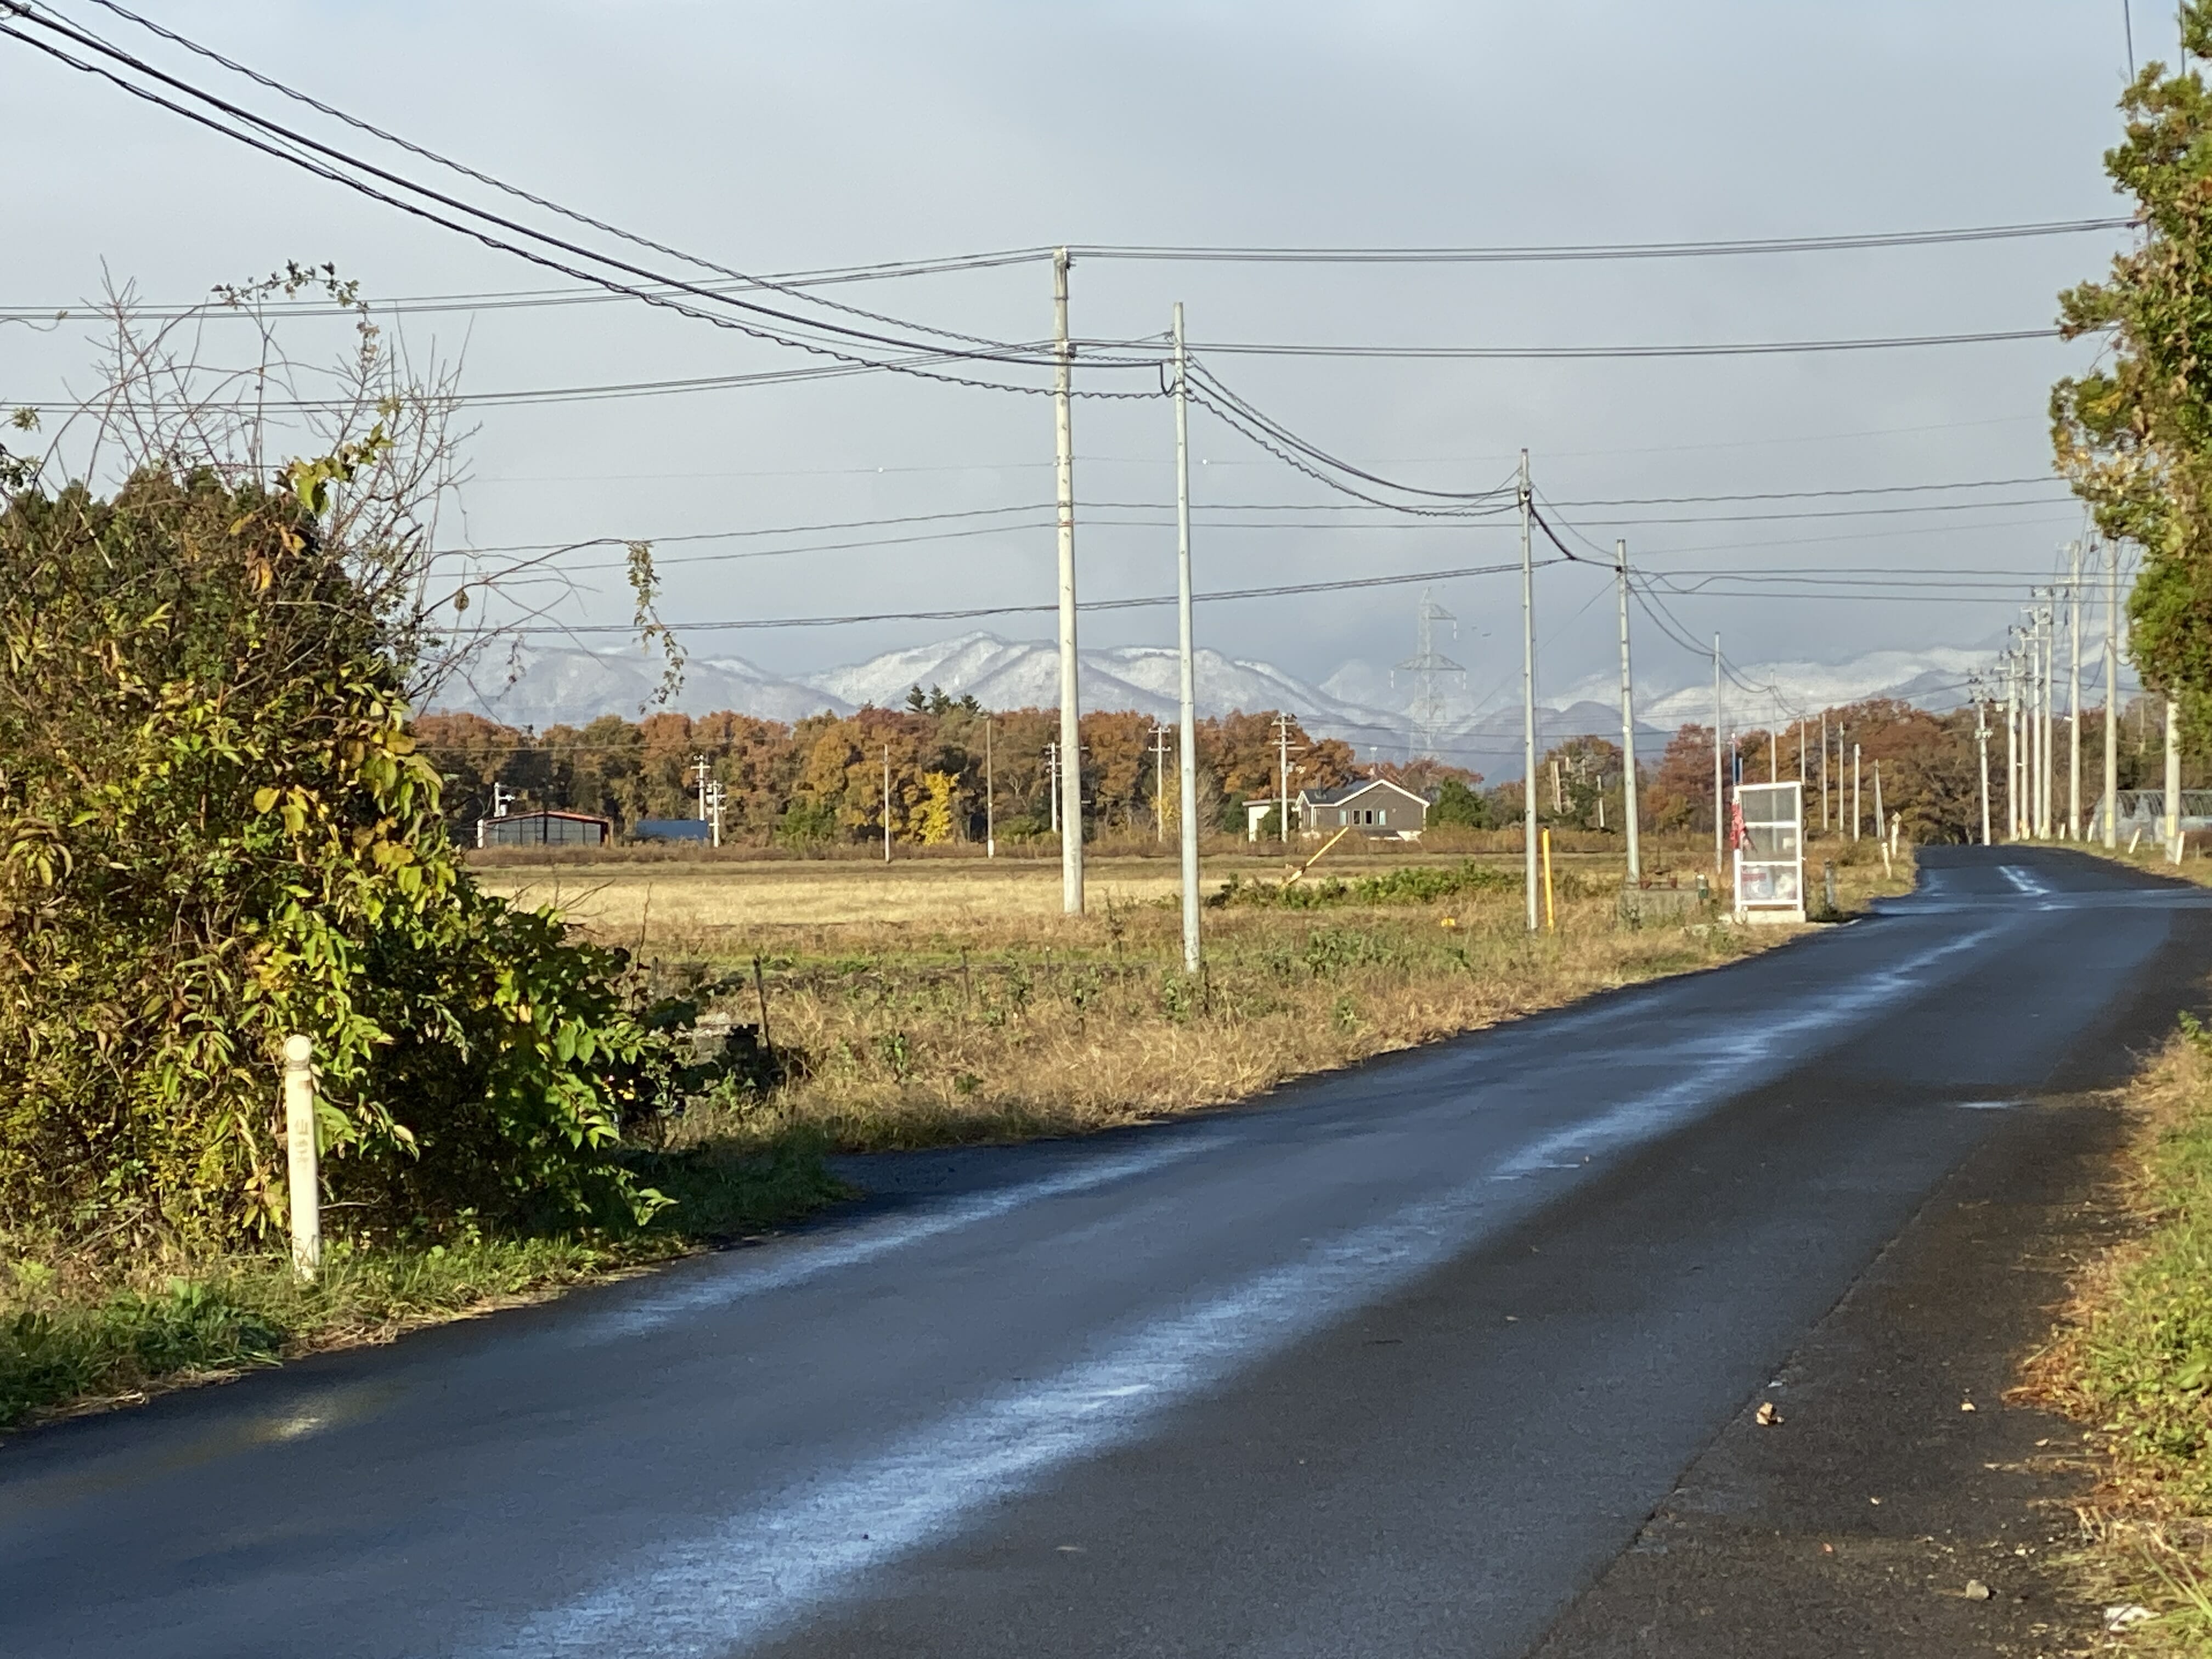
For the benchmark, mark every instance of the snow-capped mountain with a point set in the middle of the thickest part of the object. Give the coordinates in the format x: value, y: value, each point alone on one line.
x: 1358, y: 703
x: 554, y: 685
x: 1010, y: 674
x: 1935, y: 679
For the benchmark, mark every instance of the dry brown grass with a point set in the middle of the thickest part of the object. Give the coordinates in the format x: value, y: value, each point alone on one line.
x: 951, y: 1002
x: 2128, y: 1362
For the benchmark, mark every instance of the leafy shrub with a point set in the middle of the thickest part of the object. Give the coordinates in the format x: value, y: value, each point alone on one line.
x: 1418, y: 883
x: 215, y: 831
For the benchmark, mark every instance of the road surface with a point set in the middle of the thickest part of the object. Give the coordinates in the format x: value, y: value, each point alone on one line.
x: 1393, y: 1364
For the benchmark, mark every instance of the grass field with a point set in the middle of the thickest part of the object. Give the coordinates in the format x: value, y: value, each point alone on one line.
x: 944, y: 1001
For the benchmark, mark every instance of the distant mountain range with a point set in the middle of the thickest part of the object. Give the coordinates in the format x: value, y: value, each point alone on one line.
x: 1367, y: 706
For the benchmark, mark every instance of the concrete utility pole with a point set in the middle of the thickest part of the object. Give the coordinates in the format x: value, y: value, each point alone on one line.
x: 1187, y: 776
x: 1720, y: 788
x: 1627, y: 725
x: 1051, y: 781
x: 714, y: 811
x: 1855, y: 792
x: 1982, y: 743
x: 1283, y: 776
x: 1823, y: 768
x: 2112, y: 694
x: 699, y: 773
x: 1070, y: 728
x: 990, y: 799
x: 2012, y: 746
x: 1528, y: 699
x: 1159, y: 783
x: 2173, y: 780
x: 887, y: 803
x: 2074, y: 700
x: 2046, y: 797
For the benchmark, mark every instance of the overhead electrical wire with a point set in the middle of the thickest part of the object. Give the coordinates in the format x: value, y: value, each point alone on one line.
x: 1286, y: 590
x: 1557, y: 353
x: 1556, y: 252
x: 637, y: 282
x: 515, y: 190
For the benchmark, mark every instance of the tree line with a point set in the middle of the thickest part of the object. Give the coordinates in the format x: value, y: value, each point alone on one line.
x: 958, y: 770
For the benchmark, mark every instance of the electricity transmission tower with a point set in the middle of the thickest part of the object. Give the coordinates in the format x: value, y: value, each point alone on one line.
x: 1429, y: 667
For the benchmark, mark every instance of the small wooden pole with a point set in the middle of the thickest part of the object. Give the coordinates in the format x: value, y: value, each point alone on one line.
x: 304, y: 1196
x: 759, y: 990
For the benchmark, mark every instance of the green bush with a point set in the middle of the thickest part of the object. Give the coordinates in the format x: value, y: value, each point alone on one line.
x: 1417, y: 884
x: 215, y: 831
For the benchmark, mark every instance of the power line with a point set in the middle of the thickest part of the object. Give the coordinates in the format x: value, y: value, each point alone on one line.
x: 1287, y: 590
x: 1556, y: 253
x: 1556, y: 354
x: 482, y: 178
x: 634, y: 282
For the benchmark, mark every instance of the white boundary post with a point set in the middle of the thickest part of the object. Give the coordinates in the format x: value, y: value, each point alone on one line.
x: 304, y: 1197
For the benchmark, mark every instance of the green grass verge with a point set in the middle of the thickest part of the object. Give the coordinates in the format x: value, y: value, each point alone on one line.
x: 76, y: 1331
x: 2134, y: 1364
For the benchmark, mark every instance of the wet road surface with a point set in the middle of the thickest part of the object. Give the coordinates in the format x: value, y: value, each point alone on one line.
x: 1394, y: 1365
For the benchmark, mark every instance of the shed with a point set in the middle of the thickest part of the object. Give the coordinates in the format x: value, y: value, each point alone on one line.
x: 546, y: 829
x: 672, y: 829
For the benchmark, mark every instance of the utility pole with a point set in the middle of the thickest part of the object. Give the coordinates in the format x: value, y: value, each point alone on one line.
x: 1528, y: 701
x: 2074, y: 698
x: 2047, y: 795
x: 714, y: 811
x: 1720, y: 803
x: 1283, y: 776
x: 2012, y: 746
x: 1187, y: 774
x: 887, y: 803
x: 1071, y: 729
x: 1855, y: 792
x: 1051, y: 781
x: 1159, y: 783
x: 1982, y: 743
x: 990, y: 799
x: 2112, y: 694
x: 1627, y: 725
x: 699, y: 772
x: 2173, y: 780
x: 1823, y: 768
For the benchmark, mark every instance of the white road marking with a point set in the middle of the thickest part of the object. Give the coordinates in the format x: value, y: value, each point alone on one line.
x: 2021, y: 880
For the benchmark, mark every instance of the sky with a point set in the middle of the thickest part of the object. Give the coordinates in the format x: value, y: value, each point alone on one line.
x: 780, y: 138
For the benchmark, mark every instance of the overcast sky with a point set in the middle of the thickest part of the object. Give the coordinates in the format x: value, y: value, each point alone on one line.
x: 784, y: 138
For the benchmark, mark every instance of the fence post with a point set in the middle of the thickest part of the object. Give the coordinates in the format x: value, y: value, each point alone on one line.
x: 304, y: 1197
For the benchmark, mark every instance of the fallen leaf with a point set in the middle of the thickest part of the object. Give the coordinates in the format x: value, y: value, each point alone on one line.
x: 1976, y: 1590
x: 2119, y: 1618
x: 1966, y: 1405
x: 1768, y: 1417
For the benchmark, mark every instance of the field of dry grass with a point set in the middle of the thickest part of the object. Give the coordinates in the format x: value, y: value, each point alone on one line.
x: 937, y: 1002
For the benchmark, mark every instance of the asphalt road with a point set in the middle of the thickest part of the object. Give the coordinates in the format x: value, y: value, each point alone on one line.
x: 1394, y: 1364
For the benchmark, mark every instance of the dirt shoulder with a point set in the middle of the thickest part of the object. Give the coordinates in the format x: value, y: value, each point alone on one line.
x: 1880, y: 1515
